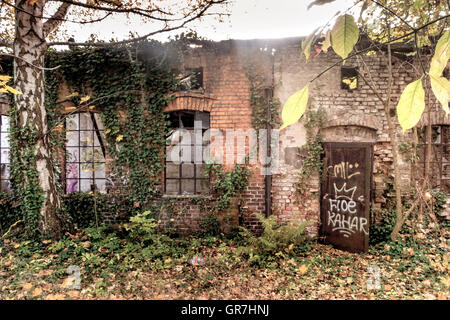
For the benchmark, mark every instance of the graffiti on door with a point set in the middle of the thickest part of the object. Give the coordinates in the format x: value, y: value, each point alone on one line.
x: 345, y: 195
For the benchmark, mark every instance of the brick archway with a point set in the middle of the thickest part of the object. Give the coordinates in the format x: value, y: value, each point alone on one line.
x: 349, y: 133
x: 191, y: 101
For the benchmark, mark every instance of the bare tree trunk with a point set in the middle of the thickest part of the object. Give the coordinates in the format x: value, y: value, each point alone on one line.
x: 35, y: 180
x: 394, y: 144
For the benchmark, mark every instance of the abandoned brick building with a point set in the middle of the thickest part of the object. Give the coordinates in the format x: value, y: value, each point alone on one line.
x: 226, y: 75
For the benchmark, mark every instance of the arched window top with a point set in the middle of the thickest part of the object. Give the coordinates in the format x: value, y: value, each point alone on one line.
x: 191, y: 101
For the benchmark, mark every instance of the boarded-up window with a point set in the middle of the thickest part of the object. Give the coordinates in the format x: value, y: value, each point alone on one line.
x: 185, y: 166
x: 85, y: 158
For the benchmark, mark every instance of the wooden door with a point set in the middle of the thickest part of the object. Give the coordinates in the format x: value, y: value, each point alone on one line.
x: 345, y: 195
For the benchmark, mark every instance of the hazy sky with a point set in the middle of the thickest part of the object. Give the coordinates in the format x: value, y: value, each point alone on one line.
x: 249, y: 19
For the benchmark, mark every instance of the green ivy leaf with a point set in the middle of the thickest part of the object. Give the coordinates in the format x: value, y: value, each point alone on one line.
x: 344, y: 35
x: 411, y: 105
x: 441, y: 89
x: 294, y: 107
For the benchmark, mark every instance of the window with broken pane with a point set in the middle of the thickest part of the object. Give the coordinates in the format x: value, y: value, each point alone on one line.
x: 4, y: 156
x: 349, y: 78
x: 440, y: 156
x: 184, y: 166
x: 85, y: 153
x: 190, y: 79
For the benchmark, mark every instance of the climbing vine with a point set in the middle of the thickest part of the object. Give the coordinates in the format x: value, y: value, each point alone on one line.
x: 227, y: 184
x: 130, y: 94
x: 259, y: 100
x: 314, y: 121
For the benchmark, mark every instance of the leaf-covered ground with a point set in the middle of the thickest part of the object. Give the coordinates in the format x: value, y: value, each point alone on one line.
x: 113, y: 268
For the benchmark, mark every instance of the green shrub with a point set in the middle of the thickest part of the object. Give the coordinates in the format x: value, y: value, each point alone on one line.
x: 381, y: 232
x: 439, y: 200
x: 275, y: 242
x: 142, y: 227
x: 80, y: 207
x: 9, y: 213
x: 209, y: 225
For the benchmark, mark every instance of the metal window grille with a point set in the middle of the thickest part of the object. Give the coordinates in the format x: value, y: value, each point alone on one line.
x: 4, y: 154
x: 183, y: 173
x: 85, y: 153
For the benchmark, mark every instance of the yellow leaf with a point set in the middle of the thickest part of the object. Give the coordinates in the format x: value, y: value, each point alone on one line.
x: 441, y: 55
x: 86, y: 244
x: 411, y: 105
x: 70, y: 108
x: 441, y: 89
x: 91, y: 107
x: 5, y: 78
x: 306, y: 46
x: 27, y: 286
x: 327, y: 42
x: 442, y: 50
x: 107, y: 131
x: 37, y: 292
x: 294, y: 107
x: 119, y: 138
x: 84, y: 99
x: 12, y: 90
x: 58, y: 128
x: 302, y: 269
x: 74, y: 94
x: 446, y: 281
x: 57, y: 296
x: 73, y: 293
x: 344, y: 35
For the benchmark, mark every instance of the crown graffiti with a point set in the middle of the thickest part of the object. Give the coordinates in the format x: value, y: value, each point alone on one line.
x: 343, y: 192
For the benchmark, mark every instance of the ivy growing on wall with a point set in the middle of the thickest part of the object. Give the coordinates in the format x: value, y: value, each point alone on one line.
x: 259, y: 100
x: 314, y: 121
x: 131, y: 94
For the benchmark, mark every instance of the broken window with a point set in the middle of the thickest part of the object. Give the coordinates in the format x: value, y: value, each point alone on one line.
x: 4, y: 157
x: 85, y: 153
x: 190, y: 79
x: 185, y: 166
x: 349, y: 78
x: 440, y: 156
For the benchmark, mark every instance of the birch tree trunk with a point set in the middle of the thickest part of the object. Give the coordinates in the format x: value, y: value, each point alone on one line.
x: 35, y: 180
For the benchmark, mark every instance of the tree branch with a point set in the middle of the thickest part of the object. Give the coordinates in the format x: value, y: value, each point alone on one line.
x: 4, y: 43
x: 27, y: 62
x: 55, y: 18
x: 162, y: 30
x: 55, y: 21
x: 376, y: 46
x: 148, y: 13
